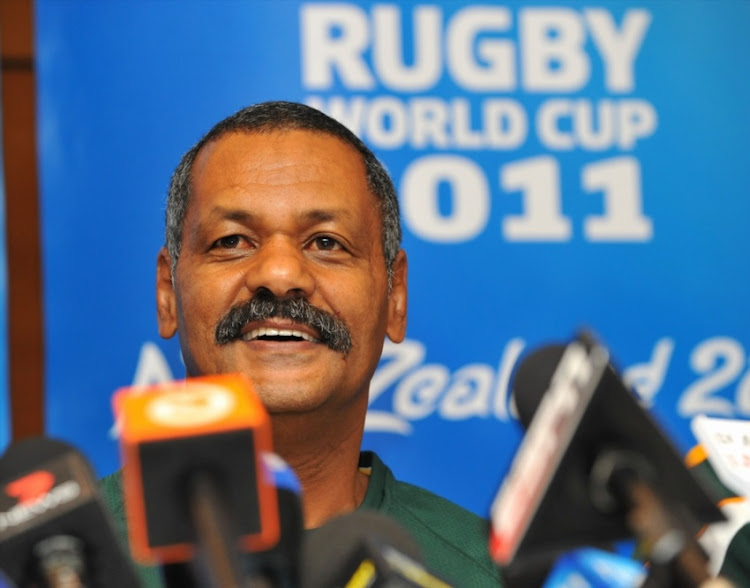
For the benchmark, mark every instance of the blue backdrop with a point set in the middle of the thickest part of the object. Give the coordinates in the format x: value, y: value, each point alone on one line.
x: 559, y: 164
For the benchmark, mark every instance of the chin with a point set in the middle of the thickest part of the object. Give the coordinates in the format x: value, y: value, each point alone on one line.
x: 289, y: 402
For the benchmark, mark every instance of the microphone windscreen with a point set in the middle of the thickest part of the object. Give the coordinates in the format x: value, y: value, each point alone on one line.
x: 212, y: 428
x: 48, y: 491
x: 583, y: 423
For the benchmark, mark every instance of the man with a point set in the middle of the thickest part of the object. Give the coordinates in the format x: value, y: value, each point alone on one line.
x: 283, y: 261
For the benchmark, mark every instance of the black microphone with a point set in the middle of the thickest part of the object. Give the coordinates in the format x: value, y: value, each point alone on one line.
x: 54, y: 529
x: 364, y: 548
x: 593, y: 468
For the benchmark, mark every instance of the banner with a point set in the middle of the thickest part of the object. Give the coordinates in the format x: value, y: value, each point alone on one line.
x: 560, y: 165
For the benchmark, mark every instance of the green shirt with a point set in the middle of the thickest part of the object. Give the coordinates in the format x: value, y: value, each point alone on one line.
x: 452, y: 539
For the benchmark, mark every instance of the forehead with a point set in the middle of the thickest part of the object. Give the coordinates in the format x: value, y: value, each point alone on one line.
x: 277, y: 162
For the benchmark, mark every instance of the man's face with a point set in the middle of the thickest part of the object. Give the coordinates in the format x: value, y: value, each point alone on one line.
x: 282, y: 215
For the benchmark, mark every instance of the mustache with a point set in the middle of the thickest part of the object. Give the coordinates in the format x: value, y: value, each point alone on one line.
x: 332, y: 331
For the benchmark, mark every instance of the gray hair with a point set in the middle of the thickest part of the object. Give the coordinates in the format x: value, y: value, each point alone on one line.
x: 283, y: 116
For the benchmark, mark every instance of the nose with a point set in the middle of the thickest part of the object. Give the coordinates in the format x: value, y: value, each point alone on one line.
x: 281, y: 267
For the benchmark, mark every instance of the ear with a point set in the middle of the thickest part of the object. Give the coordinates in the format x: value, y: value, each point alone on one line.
x: 166, y: 302
x: 397, y: 299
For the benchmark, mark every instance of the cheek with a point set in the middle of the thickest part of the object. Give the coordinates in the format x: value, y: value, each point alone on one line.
x: 367, y: 316
x: 199, y: 311
x: 207, y: 293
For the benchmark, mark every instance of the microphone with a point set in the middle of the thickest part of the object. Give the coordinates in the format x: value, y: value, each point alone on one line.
x: 54, y: 529
x: 592, y: 469
x: 196, y: 489
x: 364, y: 548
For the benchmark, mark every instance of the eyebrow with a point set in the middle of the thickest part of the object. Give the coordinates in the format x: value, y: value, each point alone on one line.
x: 324, y: 215
x: 315, y: 215
x: 232, y: 214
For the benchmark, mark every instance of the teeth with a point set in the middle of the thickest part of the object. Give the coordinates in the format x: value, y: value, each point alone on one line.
x: 272, y: 332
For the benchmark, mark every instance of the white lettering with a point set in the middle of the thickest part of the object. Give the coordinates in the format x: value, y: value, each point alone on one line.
x: 341, y: 42
x: 619, y: 180
x: 387, y: 122
x: 430, y: 123
x: 511, y: 353
x: 334, y: 38
x: 417, y: 394
x: 538, y: 180
x: 564, y: 124
x: 548, y: 128
x: 636, y: 120
x: 719, y: 361
x: 466, y: 137
x: 595, y: 132
x: 618, y: 49
x: 553, y: 57
x: 395, y: 361
x: 475, y: 390
x: 469, y: 393
x: 505, y: 123
x: 498, y: 72
x: 388, y: 56
x: 466, y: 187
x: 647, y: 378
x: 152, y: 367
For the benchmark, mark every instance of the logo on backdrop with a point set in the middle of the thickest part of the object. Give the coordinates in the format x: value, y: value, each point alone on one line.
x: 419, y: 390
x: 354, y: 64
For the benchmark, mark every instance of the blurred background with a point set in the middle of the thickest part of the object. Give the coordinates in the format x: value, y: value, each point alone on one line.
x: 561, y: 165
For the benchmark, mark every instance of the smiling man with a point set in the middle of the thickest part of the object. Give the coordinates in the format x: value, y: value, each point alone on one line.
x: 283, y: 262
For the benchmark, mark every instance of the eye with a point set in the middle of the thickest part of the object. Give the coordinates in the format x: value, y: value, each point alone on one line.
x: 228, y: 242
x: 325, y: 243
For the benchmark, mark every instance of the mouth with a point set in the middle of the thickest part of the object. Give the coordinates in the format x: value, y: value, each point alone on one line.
x: 278, y: 335
x: 267, y: 320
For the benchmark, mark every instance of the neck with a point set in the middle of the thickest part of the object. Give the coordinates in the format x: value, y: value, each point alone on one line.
x: 325, y: 460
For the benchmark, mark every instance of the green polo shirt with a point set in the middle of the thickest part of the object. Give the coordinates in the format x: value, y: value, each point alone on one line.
x: 452, y: 539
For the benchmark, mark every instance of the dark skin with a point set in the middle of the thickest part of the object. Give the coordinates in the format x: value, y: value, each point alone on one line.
x: 289, y: 212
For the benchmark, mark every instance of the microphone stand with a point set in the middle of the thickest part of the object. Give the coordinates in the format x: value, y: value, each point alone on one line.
x: 217, y: 538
